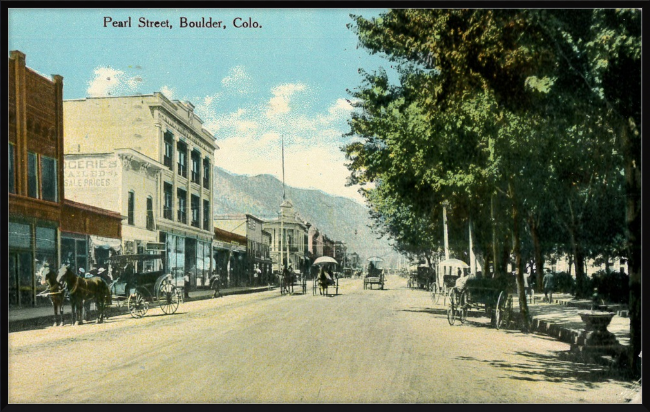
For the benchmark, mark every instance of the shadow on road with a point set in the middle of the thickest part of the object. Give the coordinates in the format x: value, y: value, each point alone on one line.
x: 551, y: 368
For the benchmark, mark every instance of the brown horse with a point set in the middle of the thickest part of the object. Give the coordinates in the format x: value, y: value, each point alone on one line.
x: 56, y: 294
x: 324, y: 281
x: 81, y: 290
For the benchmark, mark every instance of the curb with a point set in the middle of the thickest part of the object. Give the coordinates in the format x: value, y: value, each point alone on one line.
x: 612, y: 361
x: 43, y: 321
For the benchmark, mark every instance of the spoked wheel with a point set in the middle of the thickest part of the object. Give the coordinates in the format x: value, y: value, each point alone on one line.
x: 444, y: 294
x: 462, y: 307
x: 435, y: 294
x: 451, y: 309
x: 137, y: 305
x: 168, y: 297
x: 500, y: 310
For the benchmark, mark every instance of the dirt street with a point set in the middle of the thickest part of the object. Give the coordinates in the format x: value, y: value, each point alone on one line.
x: 362, y: 346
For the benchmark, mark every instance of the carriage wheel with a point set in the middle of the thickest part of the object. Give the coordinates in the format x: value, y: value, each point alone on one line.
x: 462, y: 307
x: 500, y: 310
x: 444, y: 294
x: 451, y: 310
x: 137, y: 305
x: 435, y: 293
x: 168, y: 297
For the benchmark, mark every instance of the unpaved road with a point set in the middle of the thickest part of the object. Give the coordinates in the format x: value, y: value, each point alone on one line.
x: 362, y: 346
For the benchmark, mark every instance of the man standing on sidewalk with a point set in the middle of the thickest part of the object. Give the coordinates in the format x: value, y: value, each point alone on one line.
x: 547, y: 282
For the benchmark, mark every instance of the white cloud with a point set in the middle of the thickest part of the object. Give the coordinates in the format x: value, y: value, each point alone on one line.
x: 168, y: 92
x: 341, y: 106
x: 238, y: 80
x: 250, y: 138
x: 279, y: 103
x: 112, y: 82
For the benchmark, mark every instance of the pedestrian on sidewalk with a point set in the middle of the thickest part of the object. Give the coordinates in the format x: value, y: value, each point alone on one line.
x: 186, y: 285
x: 547, y: 283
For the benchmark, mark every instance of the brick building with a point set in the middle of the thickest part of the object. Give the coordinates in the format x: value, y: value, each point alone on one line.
x: 39, y: 216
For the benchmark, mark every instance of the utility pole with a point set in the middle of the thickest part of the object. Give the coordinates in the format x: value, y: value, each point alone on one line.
x: 445, y: 204
x: 472, y: 258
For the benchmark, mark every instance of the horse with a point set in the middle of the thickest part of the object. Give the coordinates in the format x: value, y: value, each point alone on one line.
x: 288, y: 278
x: 81, y: 290
x: 57, y: 295
x: 324, y: 281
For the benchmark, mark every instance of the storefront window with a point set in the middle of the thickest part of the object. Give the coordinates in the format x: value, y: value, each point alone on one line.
x: 176, y: 257
x: 20, y: 235
x: 20, y: 264
x: 46, y: 253
x: 68, y: 253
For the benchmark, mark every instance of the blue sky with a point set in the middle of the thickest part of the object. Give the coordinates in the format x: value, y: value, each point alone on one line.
x: 250, y: 85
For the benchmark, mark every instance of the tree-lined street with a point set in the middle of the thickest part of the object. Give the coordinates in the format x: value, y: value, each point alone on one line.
x: 390, y: 345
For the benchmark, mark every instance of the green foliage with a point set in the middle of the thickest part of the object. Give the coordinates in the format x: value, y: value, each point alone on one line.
x: 564, y: 283
x: 613, y: 287
x: 521, y: 103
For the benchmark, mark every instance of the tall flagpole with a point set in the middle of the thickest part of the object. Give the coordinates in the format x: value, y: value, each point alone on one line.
x: 281, y: 262
x: 283, y: 189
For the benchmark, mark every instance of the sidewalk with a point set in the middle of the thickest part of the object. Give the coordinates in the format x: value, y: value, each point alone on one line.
x: 561, y: 319
x: 38, y: 317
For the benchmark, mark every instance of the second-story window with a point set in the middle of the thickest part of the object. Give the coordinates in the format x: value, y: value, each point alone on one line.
x: 182, y: 159
x: 206, y: 215
x: 49, y: 179
x: 196, y: 168
x: 206, y: 173
x: 182, y: 205
x: 32, y: 176
x: 169, y: 149
x: 167, y: 209
x: 195, y: 210
x: 12, y: 170
x: 150, y: 224
x: 131, y: 207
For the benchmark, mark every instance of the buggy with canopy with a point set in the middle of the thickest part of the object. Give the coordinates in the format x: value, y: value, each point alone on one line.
x: 141, y: 280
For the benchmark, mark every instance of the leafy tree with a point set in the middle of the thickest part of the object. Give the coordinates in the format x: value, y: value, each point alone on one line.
x: 514, y: 105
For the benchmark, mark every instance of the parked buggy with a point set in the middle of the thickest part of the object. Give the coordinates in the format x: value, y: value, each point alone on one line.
x: 489, y: 295
x: 449, y: 271
x: 141, y: 281
x: 421, y: 277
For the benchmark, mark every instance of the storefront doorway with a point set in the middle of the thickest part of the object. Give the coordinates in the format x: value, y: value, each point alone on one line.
x: 20, y: 278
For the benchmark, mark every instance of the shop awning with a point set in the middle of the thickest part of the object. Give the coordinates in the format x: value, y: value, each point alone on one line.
x: 105, y: 243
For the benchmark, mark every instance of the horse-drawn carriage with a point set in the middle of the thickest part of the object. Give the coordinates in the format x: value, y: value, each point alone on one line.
x: 141, y: 280
x: 420, y: 276
x: 290, y: 279
x: 449, y: 271
x: 489, y: 295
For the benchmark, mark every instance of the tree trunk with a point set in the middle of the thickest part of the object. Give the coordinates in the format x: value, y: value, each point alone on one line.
x: 631, y: 145
x: 523, y: 304
x: 495, y: 245
x: 579, y: 262
x: 486, y: 264
x: 539, y: 256
x: 505, y: 255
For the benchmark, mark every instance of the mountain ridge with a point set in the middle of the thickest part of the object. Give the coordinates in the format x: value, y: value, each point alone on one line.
x: 340, y: 218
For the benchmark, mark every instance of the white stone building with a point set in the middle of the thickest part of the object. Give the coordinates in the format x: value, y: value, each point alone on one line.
x: 160, y: 160
x: 293, y: 243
